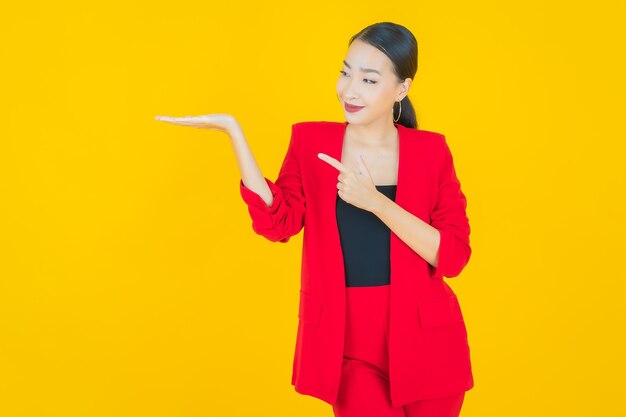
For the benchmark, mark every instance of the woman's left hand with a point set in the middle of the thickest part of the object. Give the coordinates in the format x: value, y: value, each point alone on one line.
x: 356, y: 188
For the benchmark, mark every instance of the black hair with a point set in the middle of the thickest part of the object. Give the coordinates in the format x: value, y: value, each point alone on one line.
x: 399, y: 44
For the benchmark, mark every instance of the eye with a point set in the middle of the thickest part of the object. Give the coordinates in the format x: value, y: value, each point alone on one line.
x: 345, y: 74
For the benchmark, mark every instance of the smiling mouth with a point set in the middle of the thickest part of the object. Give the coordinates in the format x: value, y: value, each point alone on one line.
x: 352, y: 108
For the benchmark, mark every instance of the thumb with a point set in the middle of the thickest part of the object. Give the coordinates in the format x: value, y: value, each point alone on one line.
x: 362, y: 167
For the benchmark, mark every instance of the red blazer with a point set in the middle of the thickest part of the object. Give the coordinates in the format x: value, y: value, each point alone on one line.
x: 429, y: 355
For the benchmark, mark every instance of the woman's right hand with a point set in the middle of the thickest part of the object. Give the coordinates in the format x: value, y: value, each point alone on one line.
x: 223, y: 122
x: 251, y: 175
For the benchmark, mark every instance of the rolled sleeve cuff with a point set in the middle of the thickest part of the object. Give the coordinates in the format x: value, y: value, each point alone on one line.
x: 253, y: 199
x: 443, y: 256
x: 262, y: 215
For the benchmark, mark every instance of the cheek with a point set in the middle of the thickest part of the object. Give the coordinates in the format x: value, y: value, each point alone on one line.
x: 341, y: 85
x: 380, y: 96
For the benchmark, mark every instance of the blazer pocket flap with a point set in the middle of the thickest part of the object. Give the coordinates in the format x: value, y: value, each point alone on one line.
x: 310, y: 308
x: 440, y: 310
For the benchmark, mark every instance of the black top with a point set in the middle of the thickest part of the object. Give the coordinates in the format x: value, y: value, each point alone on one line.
x: 365, y: 243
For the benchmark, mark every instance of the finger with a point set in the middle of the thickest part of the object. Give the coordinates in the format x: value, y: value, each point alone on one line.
x: 180, y: 120
x: 332, y: 161
x: 189, y: 119
x: 169, y: 119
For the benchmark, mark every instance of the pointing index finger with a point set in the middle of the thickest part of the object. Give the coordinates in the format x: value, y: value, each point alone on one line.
x: 332, y: 161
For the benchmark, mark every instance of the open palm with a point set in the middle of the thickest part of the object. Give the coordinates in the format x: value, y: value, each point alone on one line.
x: 217, y: 121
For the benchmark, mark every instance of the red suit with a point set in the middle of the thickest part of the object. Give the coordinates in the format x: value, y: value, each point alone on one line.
x: 429, y: 355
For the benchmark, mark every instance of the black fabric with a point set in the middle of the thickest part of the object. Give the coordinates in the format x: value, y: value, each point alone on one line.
x: 365, y: 243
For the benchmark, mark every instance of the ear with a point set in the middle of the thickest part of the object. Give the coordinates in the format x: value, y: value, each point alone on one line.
x: 406, y: 86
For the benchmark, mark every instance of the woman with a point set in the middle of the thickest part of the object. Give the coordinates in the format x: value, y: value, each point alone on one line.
x: 379, y: 332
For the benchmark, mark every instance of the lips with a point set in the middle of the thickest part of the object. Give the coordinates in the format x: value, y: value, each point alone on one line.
x: 352, y: 108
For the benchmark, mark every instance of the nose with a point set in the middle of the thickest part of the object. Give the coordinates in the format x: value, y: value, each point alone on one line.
x: 349, y: 92
x: 349, y: 95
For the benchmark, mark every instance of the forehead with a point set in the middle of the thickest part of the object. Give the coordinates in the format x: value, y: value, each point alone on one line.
x: 361, y: 54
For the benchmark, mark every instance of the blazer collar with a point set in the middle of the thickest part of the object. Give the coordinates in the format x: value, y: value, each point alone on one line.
x: 328, y: 193
x: 336, y: 152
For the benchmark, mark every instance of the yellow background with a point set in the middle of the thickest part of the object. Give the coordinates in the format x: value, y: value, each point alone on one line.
x: 131, y: 281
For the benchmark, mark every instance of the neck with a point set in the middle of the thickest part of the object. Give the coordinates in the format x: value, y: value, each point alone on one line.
x: 379, y: 133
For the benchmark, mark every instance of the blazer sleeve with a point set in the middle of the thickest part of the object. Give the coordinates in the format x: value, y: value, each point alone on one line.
x: 450, y: 218
x: 285, y: 217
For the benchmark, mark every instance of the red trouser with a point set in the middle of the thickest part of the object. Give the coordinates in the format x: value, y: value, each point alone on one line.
x: 364, y: 387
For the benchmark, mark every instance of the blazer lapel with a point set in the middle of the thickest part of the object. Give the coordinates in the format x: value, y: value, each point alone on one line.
x: 328, y: 183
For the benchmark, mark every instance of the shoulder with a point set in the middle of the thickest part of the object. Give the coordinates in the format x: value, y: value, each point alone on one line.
x: 431, y: 142
x: 314, y: 133
x: 424, y: 135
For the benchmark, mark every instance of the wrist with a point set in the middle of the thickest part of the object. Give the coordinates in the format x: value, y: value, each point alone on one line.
x: 381, y: 205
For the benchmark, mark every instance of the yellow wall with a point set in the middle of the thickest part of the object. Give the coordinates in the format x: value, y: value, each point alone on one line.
x: 131, y: 281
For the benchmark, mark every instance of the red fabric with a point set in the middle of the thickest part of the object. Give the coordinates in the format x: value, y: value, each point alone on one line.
x: 429, y: 354
x: 364, y: 386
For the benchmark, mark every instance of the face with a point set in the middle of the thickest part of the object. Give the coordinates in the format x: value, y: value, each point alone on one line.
x: 367, y: 80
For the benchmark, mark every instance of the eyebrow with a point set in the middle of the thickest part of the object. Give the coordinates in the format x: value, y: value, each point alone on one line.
x: 363, y: 69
